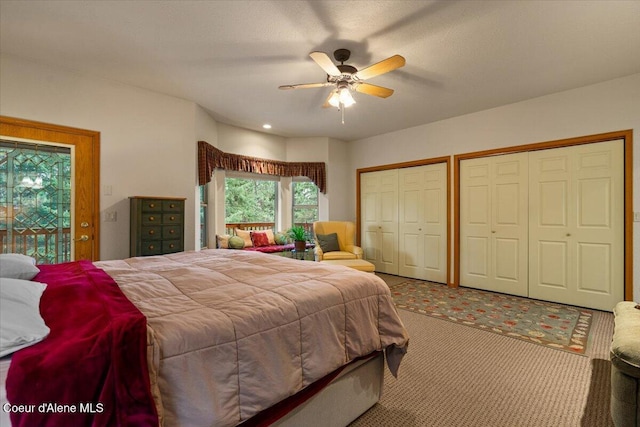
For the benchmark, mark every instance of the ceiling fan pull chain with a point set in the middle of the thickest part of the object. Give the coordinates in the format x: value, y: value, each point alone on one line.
x: 342, y: 111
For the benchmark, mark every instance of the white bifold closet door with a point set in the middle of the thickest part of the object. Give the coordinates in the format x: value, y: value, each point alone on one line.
x: 423, y: 222
x: 548, y: 224
x: 576, y: 242
x: 379, y: 219
x: 494, y: 223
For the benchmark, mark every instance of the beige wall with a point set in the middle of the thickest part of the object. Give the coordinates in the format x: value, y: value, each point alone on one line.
x: 146, y: 138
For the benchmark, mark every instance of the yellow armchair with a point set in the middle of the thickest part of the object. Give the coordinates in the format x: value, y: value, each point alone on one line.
x: 346, y: 233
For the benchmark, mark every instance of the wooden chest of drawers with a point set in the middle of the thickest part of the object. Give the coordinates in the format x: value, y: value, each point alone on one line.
x: 157, y: 225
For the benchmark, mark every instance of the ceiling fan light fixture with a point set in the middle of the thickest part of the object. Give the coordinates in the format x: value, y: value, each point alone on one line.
x: 341, y: 98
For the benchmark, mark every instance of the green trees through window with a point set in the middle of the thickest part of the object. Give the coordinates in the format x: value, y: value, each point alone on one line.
x: 250, y: 200
x: 305, y: 202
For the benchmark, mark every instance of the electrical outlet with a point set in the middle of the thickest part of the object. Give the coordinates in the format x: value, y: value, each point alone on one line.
x: 636, y: 216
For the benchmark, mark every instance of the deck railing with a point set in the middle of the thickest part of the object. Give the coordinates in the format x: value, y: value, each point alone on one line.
x: 257, y: 226
x: 251, y: 226
x: 46, y: 246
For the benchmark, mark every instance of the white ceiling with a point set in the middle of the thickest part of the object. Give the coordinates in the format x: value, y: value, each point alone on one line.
x: 231, y: 56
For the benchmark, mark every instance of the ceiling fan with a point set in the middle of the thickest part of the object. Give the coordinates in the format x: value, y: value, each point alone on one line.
x: 345, y: 78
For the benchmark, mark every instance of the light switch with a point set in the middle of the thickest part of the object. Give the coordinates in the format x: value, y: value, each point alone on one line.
x: 111, y: 216
x: 636, y: 216
x: 107, y: 190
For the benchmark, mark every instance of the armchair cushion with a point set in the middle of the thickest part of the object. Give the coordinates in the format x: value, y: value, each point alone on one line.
x: 326, y: 256
x: 328, y: 242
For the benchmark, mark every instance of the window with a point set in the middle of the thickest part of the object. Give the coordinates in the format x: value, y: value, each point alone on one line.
x: 305, y: 202
x: 204, y: 206
x: 251, y: 200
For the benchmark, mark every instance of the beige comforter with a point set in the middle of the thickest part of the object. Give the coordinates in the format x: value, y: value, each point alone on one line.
x: 231, y: 333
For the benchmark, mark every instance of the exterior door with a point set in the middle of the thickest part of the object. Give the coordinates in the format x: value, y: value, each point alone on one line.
x: 379, y: 216
x: 577, y: 225
x: 85, y: 154
x: 494, y: 223
x: 423, y: 222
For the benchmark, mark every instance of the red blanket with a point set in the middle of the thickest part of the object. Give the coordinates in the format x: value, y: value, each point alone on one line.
x: 92, y: 369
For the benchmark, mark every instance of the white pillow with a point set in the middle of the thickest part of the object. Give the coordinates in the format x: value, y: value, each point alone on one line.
x: 17, y: 266
x: 20, y: 322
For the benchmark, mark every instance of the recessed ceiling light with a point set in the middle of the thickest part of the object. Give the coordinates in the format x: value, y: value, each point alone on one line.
x: 266, y: 126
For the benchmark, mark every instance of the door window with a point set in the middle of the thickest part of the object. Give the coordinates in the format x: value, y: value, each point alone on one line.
x: 35, y: 201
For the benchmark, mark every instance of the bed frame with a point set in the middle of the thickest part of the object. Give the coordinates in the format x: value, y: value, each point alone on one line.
x: 348, y: 396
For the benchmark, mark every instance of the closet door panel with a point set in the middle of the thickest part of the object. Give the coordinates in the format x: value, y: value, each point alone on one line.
x: 493, y: 223
x: 477, y: 266
x: 423, y: 223
x: 369, y: 201
x: 411, y: 219
x: 379, y: 219
x: 433, y: 259
x: 475, y: 227
x: 435, y: 217
x: 510, y: 223
x: 577, y: 225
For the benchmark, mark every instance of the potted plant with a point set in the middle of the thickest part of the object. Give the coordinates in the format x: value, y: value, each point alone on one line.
x: 299, y: 236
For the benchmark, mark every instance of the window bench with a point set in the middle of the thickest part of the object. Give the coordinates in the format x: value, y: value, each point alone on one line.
x: 272, y: 249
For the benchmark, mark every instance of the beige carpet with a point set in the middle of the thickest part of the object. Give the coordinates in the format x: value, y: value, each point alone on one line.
x: 459, y: 376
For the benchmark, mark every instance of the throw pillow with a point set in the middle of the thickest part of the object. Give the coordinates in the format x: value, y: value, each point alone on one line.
x: 246, y: 236
x: 223, y: 241
x: 328, y: 242
x: 259, y: 239
x: 271, y: 237
x: 280, y: 239
x: 18, y: 266
x: 236, y: 242
x: 22, y: 324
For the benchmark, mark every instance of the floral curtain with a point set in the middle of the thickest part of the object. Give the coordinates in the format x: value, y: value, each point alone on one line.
x: 210, y: 158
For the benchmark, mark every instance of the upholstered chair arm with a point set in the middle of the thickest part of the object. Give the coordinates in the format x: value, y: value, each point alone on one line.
x: 357, y: 250
x: 317, y: 250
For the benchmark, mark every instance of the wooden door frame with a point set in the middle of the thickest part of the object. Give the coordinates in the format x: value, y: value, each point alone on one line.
x: 47, y: 132
x: 414, y: 163
x: 625, y: 135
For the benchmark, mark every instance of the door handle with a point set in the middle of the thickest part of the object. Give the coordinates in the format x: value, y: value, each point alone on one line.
x: 84, y: 238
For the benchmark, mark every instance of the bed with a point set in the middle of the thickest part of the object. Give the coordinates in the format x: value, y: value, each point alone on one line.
x: 227, y: 337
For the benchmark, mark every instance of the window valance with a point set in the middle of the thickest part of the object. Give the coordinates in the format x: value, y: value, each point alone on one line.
x: 210, y: 158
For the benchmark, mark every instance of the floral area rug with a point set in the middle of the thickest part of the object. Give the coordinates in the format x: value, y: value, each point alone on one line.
x: 553, y: 325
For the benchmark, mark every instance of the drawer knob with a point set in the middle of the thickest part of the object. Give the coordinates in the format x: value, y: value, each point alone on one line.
x: 172, y: 231
x: 152, y: 231
x: 152, y: 218
x: 151, y: 247
x: 172, y: 246
x: 172, y: 218
x: 152, y: 205
x: 172, y: 205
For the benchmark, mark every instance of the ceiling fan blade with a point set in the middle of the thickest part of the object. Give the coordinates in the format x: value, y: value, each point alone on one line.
x: 384, y: 66
x: 374, y: 90
x: 305, y: 85
x: 323, y: 60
